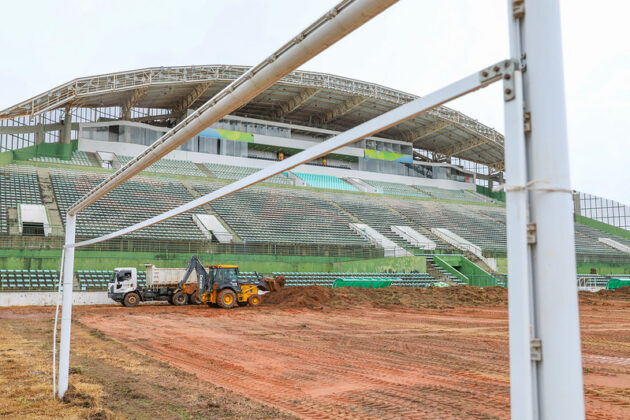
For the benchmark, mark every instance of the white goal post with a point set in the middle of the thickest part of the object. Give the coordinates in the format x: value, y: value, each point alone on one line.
x: 545, y: 353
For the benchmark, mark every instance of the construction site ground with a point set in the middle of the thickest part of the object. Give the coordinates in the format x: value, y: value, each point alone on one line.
x: 307, y: 352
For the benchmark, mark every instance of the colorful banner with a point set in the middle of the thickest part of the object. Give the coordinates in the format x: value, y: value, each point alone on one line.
x: 219, y: 133
x: 397, y: 157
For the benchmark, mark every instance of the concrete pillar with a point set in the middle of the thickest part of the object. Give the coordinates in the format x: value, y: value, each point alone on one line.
x: 40, y: 134
x: 65, y: 133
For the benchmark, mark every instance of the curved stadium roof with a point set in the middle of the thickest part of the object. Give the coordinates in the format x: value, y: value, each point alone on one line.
x: 302, y: 98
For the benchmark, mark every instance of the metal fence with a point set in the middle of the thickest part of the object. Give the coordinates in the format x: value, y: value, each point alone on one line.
x: 202, y: 247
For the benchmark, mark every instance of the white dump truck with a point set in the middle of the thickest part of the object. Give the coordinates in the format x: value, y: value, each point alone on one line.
x: 162, y: 284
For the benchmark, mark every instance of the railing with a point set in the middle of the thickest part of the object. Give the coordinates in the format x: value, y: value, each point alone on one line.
x: 201, y: 247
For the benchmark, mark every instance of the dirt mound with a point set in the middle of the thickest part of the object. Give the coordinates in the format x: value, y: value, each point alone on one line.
x: 318, y: 297
x: 297, y: 297
x: 623, y: 292
x: 604, y: 296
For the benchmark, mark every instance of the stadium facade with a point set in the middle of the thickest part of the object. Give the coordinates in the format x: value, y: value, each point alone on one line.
x: 419, y: 189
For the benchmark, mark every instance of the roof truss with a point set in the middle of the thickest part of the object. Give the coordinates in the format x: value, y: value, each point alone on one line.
x: 339, y: 110
x: 295, y: 102
x: 425, y: 131
x: 133, y: 99
x: 192, y: 97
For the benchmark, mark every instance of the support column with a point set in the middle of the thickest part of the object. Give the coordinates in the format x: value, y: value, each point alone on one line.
x: 555, y: 305
x: 523, y: 398
x: 40, y: 134
x: 66, y: 131
x: 66, y: 311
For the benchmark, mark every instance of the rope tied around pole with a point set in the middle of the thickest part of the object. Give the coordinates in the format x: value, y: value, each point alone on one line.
x: 530, y: 187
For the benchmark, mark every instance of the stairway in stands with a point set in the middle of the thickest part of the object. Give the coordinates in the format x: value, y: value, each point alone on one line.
x: 420, y: 229
x: 439, y: 273
x: 209, y: 210
x: 205, y: 170
x: 93, y: 160
x: 48, y: 199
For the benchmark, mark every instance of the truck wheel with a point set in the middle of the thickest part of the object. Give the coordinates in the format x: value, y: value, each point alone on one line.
x: 193, y: 299
x: 131, y: 299
x: 226, y: 299
x: 255, y: 300
x: 180, y: 299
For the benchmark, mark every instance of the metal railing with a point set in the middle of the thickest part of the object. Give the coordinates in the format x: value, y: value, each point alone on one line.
x: 202, y: 247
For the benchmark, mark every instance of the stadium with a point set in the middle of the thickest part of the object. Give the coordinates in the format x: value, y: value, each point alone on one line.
x: 419, y: 189
x: 415, y: 206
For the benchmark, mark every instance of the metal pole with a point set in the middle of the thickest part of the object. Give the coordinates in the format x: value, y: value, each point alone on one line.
x: 66, y: 310
x: 523, y: 398
x: 556, y: 318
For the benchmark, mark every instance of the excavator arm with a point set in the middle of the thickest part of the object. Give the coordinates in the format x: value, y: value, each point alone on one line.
x: 202, y: 275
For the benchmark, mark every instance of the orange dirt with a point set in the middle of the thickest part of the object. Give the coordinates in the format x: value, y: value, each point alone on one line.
x: 348, y: 353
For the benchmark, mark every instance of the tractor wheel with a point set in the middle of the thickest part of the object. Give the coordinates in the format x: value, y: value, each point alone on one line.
x: 193, y: 299
x: 255, y: 300
x: 226, y: 299
x: 131, y: 299
x: 179, y: 299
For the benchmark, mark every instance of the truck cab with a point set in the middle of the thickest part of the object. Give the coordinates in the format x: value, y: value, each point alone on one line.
x: 125, y: 280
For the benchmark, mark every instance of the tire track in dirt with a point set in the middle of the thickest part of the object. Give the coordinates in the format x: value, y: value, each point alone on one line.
x: 359, y: 362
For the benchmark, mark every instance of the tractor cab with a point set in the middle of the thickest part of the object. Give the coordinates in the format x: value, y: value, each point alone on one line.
x: 224, y: 276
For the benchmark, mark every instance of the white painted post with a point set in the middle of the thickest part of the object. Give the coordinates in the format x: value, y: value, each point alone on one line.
x: 556, y: 317
x: 523, y: 401
x: 523, y: 398
x: 66, y: 310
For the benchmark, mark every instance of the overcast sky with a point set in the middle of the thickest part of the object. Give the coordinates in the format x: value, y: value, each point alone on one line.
x: 416, y: 46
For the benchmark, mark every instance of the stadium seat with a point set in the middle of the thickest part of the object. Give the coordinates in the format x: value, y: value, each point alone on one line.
x: 325, y: 181
x: 79, y: 158
x: 18, y: 184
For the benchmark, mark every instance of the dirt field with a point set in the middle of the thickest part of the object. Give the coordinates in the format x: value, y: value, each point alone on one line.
x: 307, y: 352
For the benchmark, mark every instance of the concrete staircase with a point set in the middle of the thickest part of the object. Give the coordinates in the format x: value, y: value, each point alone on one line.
x: 297, y: 181
x: 48, y: 199
x: 615, y: 245
x: 12, y: 220
x: 209, y: 210
x: 361, y: 185
x: 93, y: 159
x: 391, y: 249
x: 465, y: 246
x: 203, y: 168
x: 481, y: 262
x: 439, y: 273
x: 420, y: 229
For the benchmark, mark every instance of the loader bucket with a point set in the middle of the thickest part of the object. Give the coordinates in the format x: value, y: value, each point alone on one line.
x: 274, y: 284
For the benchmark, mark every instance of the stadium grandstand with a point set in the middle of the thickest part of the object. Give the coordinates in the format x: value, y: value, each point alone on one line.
x: 414, y: 203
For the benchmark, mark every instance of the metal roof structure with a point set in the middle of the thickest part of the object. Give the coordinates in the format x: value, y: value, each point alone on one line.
x: 301, y: 98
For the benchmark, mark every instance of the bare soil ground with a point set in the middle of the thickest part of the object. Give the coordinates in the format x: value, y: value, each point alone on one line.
x: 307, y: 352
